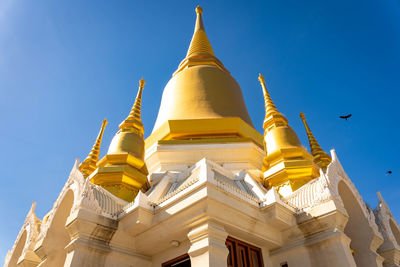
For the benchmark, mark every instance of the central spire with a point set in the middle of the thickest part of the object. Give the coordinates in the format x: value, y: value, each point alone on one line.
x: 202, y: 100
x: 200, y: 45
x: 200, y: 51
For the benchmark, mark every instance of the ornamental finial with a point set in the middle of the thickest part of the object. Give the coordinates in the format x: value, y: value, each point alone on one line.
x: 261, y: 78
x: 134, y: 120
x: 142, y: 83
x: 199, y: 10
x: 321, y: 158
x: 199, y: 22
x: 272, y: 115
x: 89, y: 164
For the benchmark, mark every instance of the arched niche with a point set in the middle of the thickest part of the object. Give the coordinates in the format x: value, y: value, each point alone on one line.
x: 395, y: 231
x: 18, y: 251
x: 357, y: 228
x: 57, y: 237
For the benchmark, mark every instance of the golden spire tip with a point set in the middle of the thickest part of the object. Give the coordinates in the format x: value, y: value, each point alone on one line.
x: 261, y: 78
x: 142, y: 83
x: 321, y: 158
x: 89, y: 164
x: 199, y: 10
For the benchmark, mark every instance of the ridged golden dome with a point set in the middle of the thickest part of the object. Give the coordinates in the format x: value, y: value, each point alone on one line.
x: 201, y: 88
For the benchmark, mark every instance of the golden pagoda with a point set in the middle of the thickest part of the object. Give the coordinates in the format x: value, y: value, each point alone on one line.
x: 287, y: 163
x: 202, y: 201
x: 202, y: 100
x: 321, y: 158
x: 123, y: 171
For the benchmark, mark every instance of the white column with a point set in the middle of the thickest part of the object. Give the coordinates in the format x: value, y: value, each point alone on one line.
x: 332, y: 251
x: 208, y: 245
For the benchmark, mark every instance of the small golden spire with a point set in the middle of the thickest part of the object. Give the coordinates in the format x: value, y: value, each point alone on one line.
x: 272, y: 115
x: 89, y: 164
x: 134, y: 120
x: 287, y: 165
x: 321, y: 158
x: 122, y: 171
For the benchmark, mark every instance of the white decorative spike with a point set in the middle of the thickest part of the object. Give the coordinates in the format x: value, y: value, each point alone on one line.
x: 272, y: 196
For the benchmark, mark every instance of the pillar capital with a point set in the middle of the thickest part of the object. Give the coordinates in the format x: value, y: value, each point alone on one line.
x: 208, y: 245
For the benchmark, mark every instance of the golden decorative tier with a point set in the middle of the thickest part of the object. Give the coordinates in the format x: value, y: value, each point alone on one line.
x: 123, y: 171
x: 287, y: 162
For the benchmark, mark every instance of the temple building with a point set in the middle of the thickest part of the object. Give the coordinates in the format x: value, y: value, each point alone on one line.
x: 207, y: 189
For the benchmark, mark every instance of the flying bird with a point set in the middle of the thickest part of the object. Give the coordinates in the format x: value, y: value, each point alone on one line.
x: 345, y: 116
x: 389, y: 172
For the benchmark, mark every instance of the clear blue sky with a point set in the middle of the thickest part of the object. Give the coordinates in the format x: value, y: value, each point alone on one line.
x: 66, y: 65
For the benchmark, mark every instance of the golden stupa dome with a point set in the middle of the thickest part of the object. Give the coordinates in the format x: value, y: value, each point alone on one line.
x: 127, y: 142
x: 201, y: 88
x: 201, y: 92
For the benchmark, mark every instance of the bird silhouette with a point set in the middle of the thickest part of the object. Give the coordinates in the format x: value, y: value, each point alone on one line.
x: 389, y: 172
x: 345, y: 116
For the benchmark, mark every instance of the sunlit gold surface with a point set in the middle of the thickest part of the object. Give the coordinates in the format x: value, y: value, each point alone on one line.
x: 127, y: 142
x: 321, y: 158
x: 89, y: 164
x: 205, y: 130
x: 133, y: 123
x: 201, y: 88
x: 123, y: 171
x: 286, y: 161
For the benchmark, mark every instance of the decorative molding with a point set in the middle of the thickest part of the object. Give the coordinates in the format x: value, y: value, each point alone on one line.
x: 179, y: 183
x: 235, y: 190
x: 242, y: 185
x: 383, y: 217
x: 335, y: 174
x: 325, y: 188
x: 229, y: 182
x: 312, y: 194
x: 86, y: 195
x: 73, y: 183
x: 32, y: 227
x: 141, y: 200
